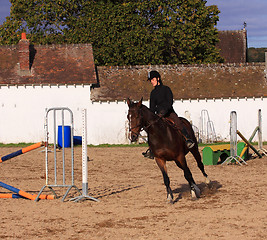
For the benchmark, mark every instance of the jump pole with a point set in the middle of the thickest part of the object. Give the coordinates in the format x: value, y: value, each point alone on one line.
x: 250, y: 140
x: 18, y: 191
x: 260, y: 146
x: 21, y: 194
x: 15, y: 195
x: 84, y: 163
x: 233, y: 141
x: 21, y: 151
x: 249, y: 144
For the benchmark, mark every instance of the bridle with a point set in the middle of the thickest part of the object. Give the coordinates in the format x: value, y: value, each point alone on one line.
x: 143, y: 127
x: 137, y: 126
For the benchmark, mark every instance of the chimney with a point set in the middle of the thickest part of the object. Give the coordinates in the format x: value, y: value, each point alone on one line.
x: 24, y: 55
x: 265, y: 64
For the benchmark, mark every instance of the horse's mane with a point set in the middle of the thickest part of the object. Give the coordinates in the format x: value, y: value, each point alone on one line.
x: 156, y: 117
x: 146, y: 109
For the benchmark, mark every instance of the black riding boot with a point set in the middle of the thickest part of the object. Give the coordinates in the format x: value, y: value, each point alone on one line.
x: 189, y: 142
x: 148, y: 153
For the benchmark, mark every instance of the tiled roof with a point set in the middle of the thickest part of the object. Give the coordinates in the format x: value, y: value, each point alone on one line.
x: 47, y: 64
x: 233, y: 46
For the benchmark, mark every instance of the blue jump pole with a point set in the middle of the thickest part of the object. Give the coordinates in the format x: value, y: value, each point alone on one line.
x: 18, y: 191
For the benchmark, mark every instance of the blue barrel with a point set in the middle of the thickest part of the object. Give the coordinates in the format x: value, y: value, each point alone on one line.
x: 77, y: 140
x: 67, y: 136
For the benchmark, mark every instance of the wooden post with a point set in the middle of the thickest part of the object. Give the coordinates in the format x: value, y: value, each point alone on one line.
x: 248, y: 143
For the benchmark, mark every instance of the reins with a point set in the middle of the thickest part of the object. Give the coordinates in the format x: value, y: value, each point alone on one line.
x: 145, y: 127
x: 152, y: 123
x: 149, y: 124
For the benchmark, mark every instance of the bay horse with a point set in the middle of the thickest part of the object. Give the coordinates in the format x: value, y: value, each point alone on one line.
x: 166, y: 143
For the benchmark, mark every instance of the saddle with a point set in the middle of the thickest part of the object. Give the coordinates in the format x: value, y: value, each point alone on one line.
x: 183, y: 132
x: 171, y: 122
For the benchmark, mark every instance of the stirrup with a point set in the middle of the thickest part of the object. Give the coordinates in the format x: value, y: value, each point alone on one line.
x: 148, y: 154
x: 189, y: 143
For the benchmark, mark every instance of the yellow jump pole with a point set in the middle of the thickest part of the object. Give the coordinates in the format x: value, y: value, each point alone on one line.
x: 243, y: 151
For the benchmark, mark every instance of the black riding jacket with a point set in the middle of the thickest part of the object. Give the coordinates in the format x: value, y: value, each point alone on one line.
x: 161, y: 100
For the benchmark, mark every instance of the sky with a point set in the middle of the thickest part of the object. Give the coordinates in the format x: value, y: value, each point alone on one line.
x: 232, y: 17
x: 235, y: 12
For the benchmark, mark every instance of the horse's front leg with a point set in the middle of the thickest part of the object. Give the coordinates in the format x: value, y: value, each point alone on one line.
x: 162, y: 165
x: 195, y: 191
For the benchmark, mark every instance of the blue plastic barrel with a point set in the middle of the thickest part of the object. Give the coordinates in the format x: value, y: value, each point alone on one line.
x: 67, y: 136
x: 77, y: 140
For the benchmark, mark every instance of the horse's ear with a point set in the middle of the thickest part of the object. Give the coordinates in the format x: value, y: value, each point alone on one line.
x: 128, y: 102
x: 140, y: 102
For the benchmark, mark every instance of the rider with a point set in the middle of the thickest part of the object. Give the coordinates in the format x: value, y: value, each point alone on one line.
x: 161, y: 101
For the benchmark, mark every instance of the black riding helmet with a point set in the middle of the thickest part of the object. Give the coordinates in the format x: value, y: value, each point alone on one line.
x: 154, y: 74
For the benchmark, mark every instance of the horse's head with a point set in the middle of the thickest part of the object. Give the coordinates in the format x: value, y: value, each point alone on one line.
x: 135, y: 119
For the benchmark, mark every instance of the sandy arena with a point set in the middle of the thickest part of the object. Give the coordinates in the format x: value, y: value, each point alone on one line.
x: 133, y: 200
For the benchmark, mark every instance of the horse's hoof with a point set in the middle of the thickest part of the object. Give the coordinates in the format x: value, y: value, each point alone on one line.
x: 193, y: 195
x: 170, y: 199
x: 195, y: 192
x: 207, y: 181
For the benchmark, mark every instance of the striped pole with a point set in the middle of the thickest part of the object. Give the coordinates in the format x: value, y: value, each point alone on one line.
x: 84, y: 163
x: 18, y: 191
x: 15, y: 195
x: 21, y: 151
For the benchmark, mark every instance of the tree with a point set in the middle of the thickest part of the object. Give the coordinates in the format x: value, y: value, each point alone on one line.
x: 43, y: 20
x: 183, y: 30
x: 122, y: 32
x: 256, y: 54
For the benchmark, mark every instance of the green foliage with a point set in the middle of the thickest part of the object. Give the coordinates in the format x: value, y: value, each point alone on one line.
x: 256, y: 54
x: 122, y: 32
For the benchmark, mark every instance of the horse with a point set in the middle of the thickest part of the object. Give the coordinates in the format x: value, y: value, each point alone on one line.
x: 166, y: 143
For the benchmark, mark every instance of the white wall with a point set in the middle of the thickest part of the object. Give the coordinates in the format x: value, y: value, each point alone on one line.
x: 22, y: 109
x: 219, y: 113
x: 22, y: 114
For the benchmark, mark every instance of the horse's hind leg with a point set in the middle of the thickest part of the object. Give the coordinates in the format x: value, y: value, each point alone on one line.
x: 200, y: 164
x: 195, y: 150
x: 162, y: 165
x: 181, y: 163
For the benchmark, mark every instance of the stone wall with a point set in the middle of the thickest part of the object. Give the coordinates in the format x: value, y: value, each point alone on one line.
x: 186, y: 81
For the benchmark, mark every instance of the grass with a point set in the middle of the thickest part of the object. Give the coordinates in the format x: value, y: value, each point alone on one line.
x: 22, y: 145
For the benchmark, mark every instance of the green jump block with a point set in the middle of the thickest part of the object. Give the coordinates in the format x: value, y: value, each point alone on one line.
x: 212, y: 154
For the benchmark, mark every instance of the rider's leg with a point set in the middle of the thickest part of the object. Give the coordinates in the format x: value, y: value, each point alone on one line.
x: 148, y: 153
x: 174, y: 117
